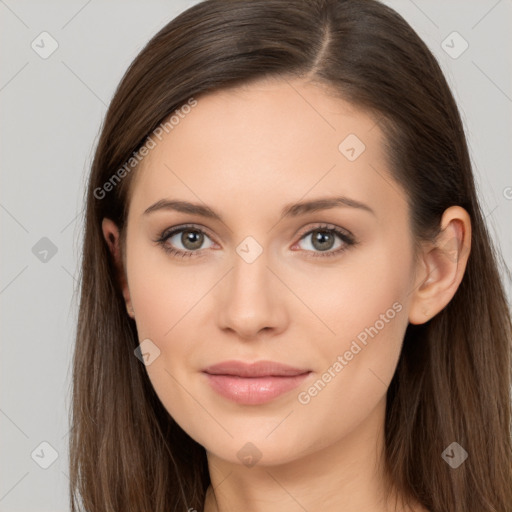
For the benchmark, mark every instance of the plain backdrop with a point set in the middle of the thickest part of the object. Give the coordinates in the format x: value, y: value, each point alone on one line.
x: 51, y: 112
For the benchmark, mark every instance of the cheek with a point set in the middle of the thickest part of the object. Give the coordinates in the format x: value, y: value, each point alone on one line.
x: 168, y: 299
x: 364, y: 305
x: 347, y: 299
x: 163, y: 292
x: 163, y: 300
x: 358, y: 365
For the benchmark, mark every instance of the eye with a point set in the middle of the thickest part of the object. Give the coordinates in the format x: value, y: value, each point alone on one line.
x: 190, y: 237
x: 323, y: 240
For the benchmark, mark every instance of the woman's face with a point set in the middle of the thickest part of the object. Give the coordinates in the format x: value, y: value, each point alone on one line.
x: 259, y: 285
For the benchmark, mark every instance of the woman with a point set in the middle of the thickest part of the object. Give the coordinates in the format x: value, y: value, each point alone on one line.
x: 290, y: 300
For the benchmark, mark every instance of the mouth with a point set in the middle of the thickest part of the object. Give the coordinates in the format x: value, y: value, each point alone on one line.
x: 253, y: 383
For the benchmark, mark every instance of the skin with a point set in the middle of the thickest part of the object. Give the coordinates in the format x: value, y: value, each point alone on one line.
x: 247, y: 153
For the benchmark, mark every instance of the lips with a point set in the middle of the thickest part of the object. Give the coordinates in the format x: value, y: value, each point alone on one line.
x: 257, y: 369
x: 253, y: 383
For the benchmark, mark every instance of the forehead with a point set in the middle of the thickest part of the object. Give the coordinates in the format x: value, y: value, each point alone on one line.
x: 254, y: 148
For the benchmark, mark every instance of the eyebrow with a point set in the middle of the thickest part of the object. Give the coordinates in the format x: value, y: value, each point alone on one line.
x: 290, y: 210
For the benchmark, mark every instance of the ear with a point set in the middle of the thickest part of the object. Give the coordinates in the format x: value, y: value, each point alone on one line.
x: 441, y: 266
x: 111, y: 234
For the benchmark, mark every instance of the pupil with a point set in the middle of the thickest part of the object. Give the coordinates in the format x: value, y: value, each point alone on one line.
x: 191, y: 239
x: 321, y: 237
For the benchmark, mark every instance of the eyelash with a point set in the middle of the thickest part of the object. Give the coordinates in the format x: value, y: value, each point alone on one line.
x: 348, y: 240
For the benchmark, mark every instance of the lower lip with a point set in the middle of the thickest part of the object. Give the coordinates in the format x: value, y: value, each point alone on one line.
x: 253, y: 390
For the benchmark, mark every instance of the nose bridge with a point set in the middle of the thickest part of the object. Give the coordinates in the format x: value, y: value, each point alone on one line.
x: 249, y: 300
x: 250, y: 275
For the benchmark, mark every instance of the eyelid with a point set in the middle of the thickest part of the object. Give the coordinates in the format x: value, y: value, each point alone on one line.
x: 328, y: 227
x: 182, y: 227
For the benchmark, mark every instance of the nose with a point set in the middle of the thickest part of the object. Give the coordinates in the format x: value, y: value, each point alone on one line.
x: 251, y: 300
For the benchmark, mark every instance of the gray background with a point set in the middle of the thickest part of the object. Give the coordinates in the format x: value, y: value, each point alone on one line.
x: 51, y: 111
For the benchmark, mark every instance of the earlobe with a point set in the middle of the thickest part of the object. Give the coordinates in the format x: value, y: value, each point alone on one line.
x: 111, y: 235
x: 442, y: 266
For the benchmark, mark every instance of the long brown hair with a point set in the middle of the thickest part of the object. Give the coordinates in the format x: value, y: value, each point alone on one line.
x: 453, y: 379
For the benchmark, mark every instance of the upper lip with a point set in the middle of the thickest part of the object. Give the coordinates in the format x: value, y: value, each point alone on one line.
x: 257, y: 369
